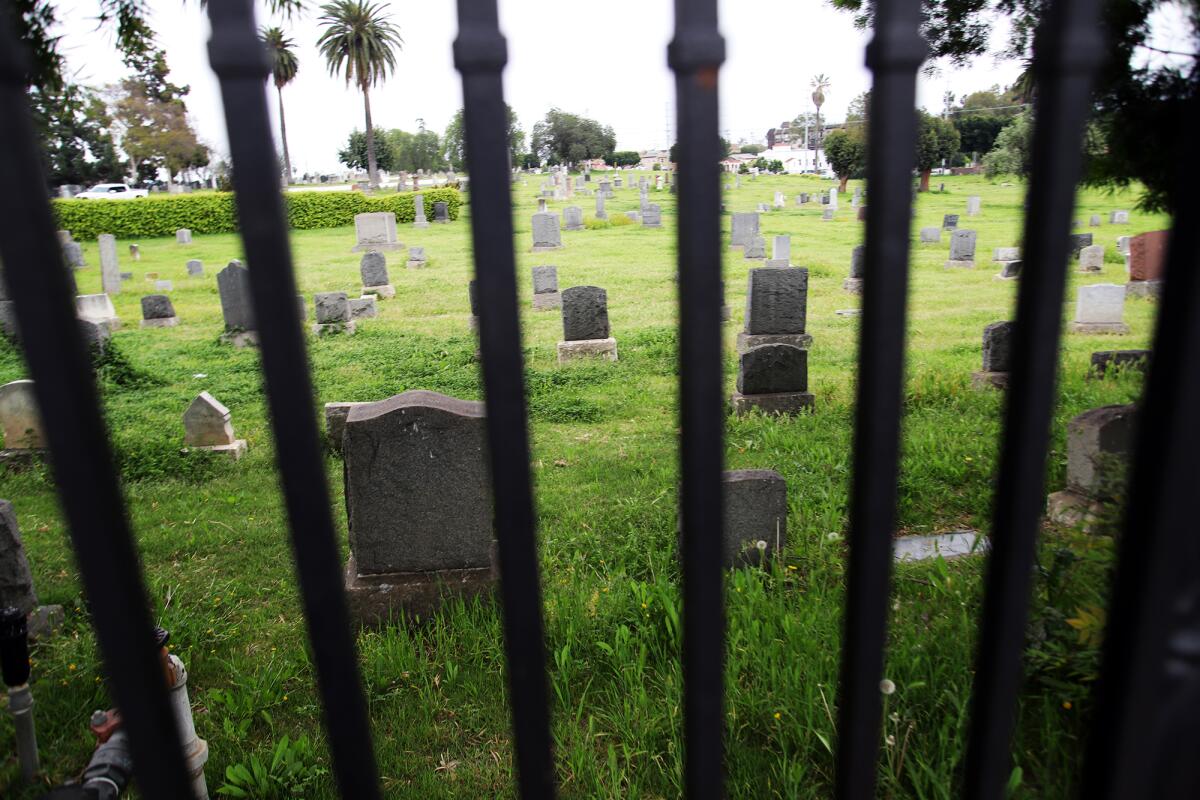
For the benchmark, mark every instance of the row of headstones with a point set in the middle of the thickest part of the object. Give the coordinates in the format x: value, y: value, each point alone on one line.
x: 998, y: 344
x: 376, y: 230
x: 547, y: 227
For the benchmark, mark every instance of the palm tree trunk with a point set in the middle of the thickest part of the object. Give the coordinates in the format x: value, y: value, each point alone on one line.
x: 287, y: 159
x: 372, y: 169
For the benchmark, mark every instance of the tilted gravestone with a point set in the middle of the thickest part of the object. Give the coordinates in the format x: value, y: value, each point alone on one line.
x: 1099, y: 443
x: 853, y: 284
x: 931, y: 235
x: 332, y: 313
x: 376, y: 231
x: 1091, y: 258
x: 1147, y: 254
x: 110, y: 269
x: 417, y: 258
x: 546, y: 232
x: 373, y: 269
x: 962, y: 249
x: 1104, y: 361
x: 207, y: 427
x: 781, y: 252
x: 545, y: 289
x: 997, y: 356
x: 573, y: 218
x: 73, y: 254
x: 776, y: 308
x: 745, y: 228
x: 419, y: 220
x: 1100, y: 308
x: 195, y: 268
x: 233, y: 285
x: 20, y: 418
x: 157, y: 312
x: 774, y: 379
x: 418, y: 502
x: 586, y: 331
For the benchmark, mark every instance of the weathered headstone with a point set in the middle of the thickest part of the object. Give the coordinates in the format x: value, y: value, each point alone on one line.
x: 1099, y: 443
x: 1091, y: 258
x: 376, y: 231
x: 364, y: 307
x: 997, y: 356
x: 97, y: 308
x: 1147, y: 254
x: 419, y: 220
x: 417, y: 258
x: 373, y: 269
x: 586, y: 331
x: 600, y: 212
x: 158, y: 312
x: 1094, y: 221
x: 776, y: 308
x: 974, y: 205
x: 545, y: 289
x: 1006, y: 254
x: 95, y: 336
x: 1100, y: 308
x: 827, y: 214
x: 110, y: 269
x: 419, y: 505
x: 949, y: 222
x: 853, y: 284
x: 774, y: 379
x: 573, y: 218
x: 233, y: 285
x: 16, y: 581
x: 755, y: 517
x: 441, y: 212
x: 73, y: 254
x: 781, y: 252
x: 183, y: 236
x: 962, y: 249
x: 1119, y: 218
x: 1010, y: 270
x: 20, y: 418
x: 332, y: 313
x: 1104, y: 361
x: 931, y: 235
x: 755, y: 248
x: 546, y: 233
x: 652, y: 216
x: 164, y: 286
x: 195, y: 268
x: 745, y: 228
x: 207, y: 427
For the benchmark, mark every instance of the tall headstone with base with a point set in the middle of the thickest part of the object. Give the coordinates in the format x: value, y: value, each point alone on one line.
x: 546, y: 232
x: 781, y: 252
x: 1100, y: 308
x: 997, y: 356
x: 207, y: 427
x: 419, y: 505
x: 110, y: 269
x: 157, y: 312
x: 1099, y: 443
x: 233, y: 285
x: 375, y: 280
x: 586, y: 332
x: 419, y: 220
x: 776, y: 308
x: 600, y: 212
x: 774, y: 379
x: 962, y: 249
x: 853, y: 284
x: 546, y: 296
x: 1147, y: 254
x: 333, y: 314
x: 745, y: 228
x: 376, y: 231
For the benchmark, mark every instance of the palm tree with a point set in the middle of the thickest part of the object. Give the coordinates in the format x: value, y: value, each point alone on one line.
x: 360, y: 43
x: 284, y: 66
x: 819, y: 84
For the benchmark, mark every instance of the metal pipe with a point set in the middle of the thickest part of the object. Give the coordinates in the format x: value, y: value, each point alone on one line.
x: 14, y: 666
x: 195, y: 749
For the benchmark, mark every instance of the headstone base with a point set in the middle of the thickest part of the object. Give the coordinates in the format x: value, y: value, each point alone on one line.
x: 421, y: 224
x: 1117, y: 328
x: 546, y: 248
x: 778, y: 262
x: 240, y: 338
x: 960, y: 264
x: 1070, y: 508
x: 1143, y: 289
x: 1000, y: 276
x: 376, y: 599
x: 790, y: 403
x: 581, y: 227
x: 334, y: 328
x: 232, y: 451
x: 382, y: 246
x: 383, y: 292
x: 415, y: 265
x: 853, y: 285
x: 587, y: 348
x: 646, y: 224
x: 747, y: 340
x: 165, y: 322
x: 986, y: 380
x: 547, y: 301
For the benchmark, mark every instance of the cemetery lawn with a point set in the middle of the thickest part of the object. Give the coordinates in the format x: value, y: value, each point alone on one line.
x: 217, y: 558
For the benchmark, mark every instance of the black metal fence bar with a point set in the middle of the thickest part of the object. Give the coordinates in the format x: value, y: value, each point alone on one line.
x: 696, y: 54
x: 1141, y: 737
x: 894, y: 55
x: 240, y: 62
x: 1067, y: 50
x: 480, y: 54
x: 87, y: 480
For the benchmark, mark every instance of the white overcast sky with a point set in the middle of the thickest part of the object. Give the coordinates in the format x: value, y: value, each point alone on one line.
x: 604, y: 59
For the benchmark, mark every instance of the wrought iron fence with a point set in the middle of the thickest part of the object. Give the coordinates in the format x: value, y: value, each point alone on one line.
x: 1149, y: 696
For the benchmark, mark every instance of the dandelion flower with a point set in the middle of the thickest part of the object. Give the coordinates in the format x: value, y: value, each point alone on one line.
x: 778, y: 715
x: 1067, y: 705
x: 887, y: 687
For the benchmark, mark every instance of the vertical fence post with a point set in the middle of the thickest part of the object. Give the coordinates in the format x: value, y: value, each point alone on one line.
x: 82, y: 462
x: 1145, y: 736
x: 696, y: 54
x: 1067, y: 51
x: 894, y: 55
x: 480, y: 54
x: 240, y: 62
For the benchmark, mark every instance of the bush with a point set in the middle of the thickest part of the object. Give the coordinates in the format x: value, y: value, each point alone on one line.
x: 213, y: 212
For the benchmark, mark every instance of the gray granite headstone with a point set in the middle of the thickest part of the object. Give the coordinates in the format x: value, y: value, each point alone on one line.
x: 776, y: 300
x: 73, y: 254
x: 545, y: 280
x: 756, y: 247
x: 1006, y: 254
x: 419, y: 220
x: 1091, y: 258
x: 195, y: 268
x: 962, y: 245
x: 949, y: 221
x: 585, y: 313
x: 997, y: 347
x: 745, y: 228
x: 573, y: 218
x: 755, y: 514
x: 600, y: 212
x: 183, y: 236
x: 772, y: 369
x: 20, y: 417
x: 331, y: 307
x: 1010, y: 269
x: 1078, y: 241
x: 652, y: 216
x: 1099, y: 442
x: 546, y: 233
x: 233, y: 284
x: 110, y: 269
x: 16, y: 581
x: 373, y: 268
x: 157, y: 306
x: 441, y: 212
x: 931, y: 235
x: 1105, y: 360
x: 376, y: 230
x: 857, y: 259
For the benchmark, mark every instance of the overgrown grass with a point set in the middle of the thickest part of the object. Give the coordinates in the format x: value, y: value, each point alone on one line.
x: 217, y: 558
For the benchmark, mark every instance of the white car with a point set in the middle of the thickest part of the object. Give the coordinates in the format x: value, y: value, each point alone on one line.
x: 111, y: 191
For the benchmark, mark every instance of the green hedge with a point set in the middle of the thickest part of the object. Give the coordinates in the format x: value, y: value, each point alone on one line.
x: 213, y: 212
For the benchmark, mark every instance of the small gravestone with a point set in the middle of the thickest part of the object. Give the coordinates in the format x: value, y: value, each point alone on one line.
x: 652, y: 216
x: 1009, y: 270
x: 418, y: 504
x: 931, y: 235
x: 854, y: 283
x: 633, y: 215
x: 573, y: 218
x: 97, y: 308
x: 780, y: 201
x: 110, y: 269
x: 126, y: 276
x: 1123, y: 247
x: 363, y: 307
x: 827, y: 214
x: 997, y: 356
x: 962, y: 249
x: 546, y: 296
x: 974, y: 205
x: 1099, y: 443
x: 1094, y: 221
x: 1100, y: 308
x: 441, y: 212
x: 419, y: 220
x: 1091, y: 258
x: 20, y: 420
x: 332, y: 313
x: 373, y: 269
x: 586, y: 332
x: 157, y: 312
x: 546, y: 232
x: 1006, y: 254
x: 776, y: 308
x: 376, y: 231
x: 16, y: 581
x: 862, y: 213
x: 195, y: 268
x: 417, y: 258
x: 755, y: 248
x: 754, y: 513
x: 233, y: 285
x: 1078, y: 241
x: 781, y: 252
x: 833, y: 199
x: 1119, y: 218
x: 949, y: 222
x: 774, y: 379
x: 164, y: 286
x: 1147, y: 257
x: 745, y: 228
x: 600, y: 212
x: 183, y: 236
x: 1105, y: 361
x: 207, y: 428
x: 135, y: 252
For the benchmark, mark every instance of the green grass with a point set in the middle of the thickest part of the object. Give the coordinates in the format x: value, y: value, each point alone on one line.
x: 217, y: 558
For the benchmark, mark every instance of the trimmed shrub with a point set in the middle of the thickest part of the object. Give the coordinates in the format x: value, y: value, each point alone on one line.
x: 213, y: 212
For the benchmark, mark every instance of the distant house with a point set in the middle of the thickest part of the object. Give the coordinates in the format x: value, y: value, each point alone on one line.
x: 650, y: 158
x: 799, y: 159
x: 734, y: 161
x: 595, y: 163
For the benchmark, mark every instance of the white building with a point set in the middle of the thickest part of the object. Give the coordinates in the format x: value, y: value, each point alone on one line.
x: 796, y: 160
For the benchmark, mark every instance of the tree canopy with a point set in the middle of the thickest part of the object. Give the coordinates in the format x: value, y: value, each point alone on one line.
x: 454, y: 149
x: 565, y: 138
x: 846, y: 152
